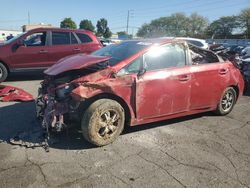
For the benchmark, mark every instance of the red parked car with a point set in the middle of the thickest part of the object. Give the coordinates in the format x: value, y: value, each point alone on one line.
x: 133, y: 83
x: 40, y: 48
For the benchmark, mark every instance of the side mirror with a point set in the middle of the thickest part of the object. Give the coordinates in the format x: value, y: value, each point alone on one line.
x: 141, y: 72
x: 17, y: 45
x: 20, y: 43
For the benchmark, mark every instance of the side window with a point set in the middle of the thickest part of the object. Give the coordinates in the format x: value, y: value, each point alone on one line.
x: 162, y: 57
x: 133, y: 67
x: 196, y: 43
x: 35, y: 39
x: 83, y: 38
x: 201, y: 56
x: 73, y: 39
x: 60, y: 38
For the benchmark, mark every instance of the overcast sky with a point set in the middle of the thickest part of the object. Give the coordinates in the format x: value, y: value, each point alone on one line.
x: 14, y: 13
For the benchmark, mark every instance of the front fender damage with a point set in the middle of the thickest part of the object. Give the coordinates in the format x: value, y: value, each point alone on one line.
x: 51, y: 110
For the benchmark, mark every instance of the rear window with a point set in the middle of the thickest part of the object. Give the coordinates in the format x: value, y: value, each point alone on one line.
x: 60, y: 38
x: 84, y: 38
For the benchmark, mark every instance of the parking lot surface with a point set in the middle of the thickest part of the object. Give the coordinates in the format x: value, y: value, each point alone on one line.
x: 196, y: 151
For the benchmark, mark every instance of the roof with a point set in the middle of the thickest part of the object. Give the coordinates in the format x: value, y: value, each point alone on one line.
x: 156, y: 40
x: 59, y: 29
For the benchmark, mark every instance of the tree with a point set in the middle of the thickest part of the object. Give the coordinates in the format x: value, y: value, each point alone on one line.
x: 68, y: 23
x: 244, y: 19
x: 103, y: 29
x: 197, y: 25
x: 175, y: 25
x: 87, y: 24
x: 121, y: 33
x: 144, y: 31
x: 223, y: 27
x: 124, y: 35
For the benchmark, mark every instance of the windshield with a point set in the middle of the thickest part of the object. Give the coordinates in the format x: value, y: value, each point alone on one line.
x: 14, y: 38
x: 119, y: 52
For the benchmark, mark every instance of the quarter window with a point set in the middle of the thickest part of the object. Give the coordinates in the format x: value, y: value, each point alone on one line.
x: 202, y: 56
x: 83, y: 38
x: 133, y: 67
x: 60, y: 38
x: 162, y: 57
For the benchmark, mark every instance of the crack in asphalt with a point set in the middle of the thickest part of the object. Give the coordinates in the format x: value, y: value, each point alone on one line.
x: 38, y: 166
x: 67, y: 184
x: 186, y: 164
x: 231, y: 162
x: 239, y: 152
x: 165, y: 170
x: 119, y: 178
x: 247, y: 123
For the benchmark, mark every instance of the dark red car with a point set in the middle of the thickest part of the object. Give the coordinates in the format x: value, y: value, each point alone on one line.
x: 133, y: 83
x: 40, y: 48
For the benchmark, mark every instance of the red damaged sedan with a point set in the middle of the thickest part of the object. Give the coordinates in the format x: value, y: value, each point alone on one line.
x: 133, y: 83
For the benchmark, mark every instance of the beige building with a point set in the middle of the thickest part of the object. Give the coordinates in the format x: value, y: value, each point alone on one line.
x: 34, y: 26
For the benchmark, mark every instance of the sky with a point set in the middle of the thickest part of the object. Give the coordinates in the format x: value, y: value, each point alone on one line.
x: 14, y: 13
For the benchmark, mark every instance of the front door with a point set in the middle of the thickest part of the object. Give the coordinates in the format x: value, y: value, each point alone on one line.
x: 166, y: 85
x: 34, y: 52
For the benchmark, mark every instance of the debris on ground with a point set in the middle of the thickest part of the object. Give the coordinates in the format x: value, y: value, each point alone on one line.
x: 31, y: 139
x: 10, y: 93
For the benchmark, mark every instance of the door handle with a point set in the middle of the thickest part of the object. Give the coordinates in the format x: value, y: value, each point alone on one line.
x: 223, y: 71
x: 183, y: 78
x: 43, y: 52
x: 77, y: 50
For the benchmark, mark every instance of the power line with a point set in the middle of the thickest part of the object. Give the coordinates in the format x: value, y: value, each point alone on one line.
x: 184, y: 8
x: 12, y: 21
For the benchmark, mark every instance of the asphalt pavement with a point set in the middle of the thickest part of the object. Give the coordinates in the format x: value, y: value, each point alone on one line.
x: 202, y: 150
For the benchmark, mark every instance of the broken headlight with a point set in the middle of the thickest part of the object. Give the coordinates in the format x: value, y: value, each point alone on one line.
x: 64, y: 92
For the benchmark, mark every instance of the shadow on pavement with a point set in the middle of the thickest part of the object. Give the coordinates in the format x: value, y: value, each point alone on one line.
x: 19, y: 119
x: 247, y: 93
x: 34, y: 75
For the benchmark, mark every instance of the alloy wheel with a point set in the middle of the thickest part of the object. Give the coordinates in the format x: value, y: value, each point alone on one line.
x: 227, y: 101
x: 108, y: 124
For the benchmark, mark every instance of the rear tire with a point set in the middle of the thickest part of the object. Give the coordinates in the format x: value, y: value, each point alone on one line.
x: 103, y: 122
x: 227, y: 102
x: 3, y: 72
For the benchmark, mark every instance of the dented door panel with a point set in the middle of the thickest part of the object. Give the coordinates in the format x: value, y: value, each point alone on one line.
x: 160, y: 93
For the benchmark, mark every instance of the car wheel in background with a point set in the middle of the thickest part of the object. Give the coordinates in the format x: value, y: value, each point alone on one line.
x: 3, y: 72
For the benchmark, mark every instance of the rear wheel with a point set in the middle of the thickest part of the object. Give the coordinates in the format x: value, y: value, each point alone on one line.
x: 3, y: 72
x: 103, y: 122
x: 227, y: 102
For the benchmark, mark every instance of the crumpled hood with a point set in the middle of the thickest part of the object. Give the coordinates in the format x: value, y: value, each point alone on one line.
x: 74, y: 62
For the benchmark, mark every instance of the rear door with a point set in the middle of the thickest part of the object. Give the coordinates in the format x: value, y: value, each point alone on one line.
x: 34, y: 52
x: 62, y: 44
x: 210, y: 78
x: 166, y: 85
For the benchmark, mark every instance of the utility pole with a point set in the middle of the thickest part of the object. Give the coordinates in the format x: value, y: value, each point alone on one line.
x: 29, y: 18
x: 128, y: 18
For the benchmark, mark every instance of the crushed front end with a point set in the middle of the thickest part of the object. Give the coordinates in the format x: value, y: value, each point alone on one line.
x: 56, y: 99
x: 53, y: 102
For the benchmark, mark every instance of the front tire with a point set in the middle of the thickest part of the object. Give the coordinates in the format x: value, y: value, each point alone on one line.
x: 3, y: 72
x: 227, y: 102
x: 103, y: 122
